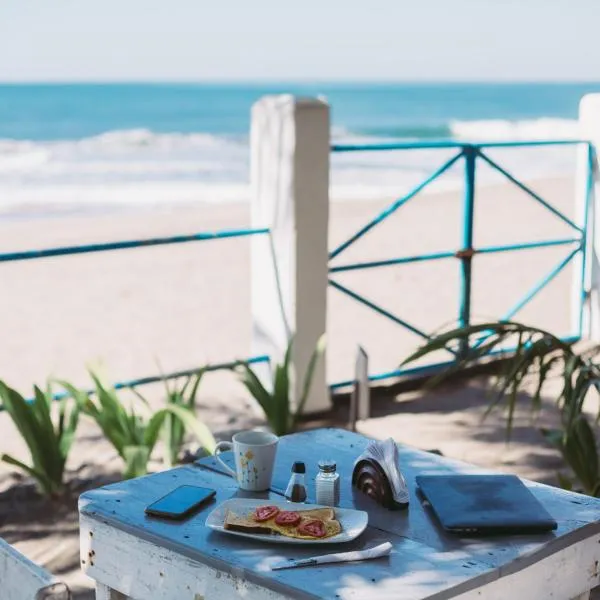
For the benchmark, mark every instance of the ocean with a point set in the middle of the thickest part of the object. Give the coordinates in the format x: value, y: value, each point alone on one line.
x: 77, y: 147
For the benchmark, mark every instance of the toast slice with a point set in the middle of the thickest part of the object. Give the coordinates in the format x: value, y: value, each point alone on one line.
x: 324, y: 514
x: 245, y: 523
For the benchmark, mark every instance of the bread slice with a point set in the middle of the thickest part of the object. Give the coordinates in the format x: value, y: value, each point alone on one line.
x: 325, y: 514
x: 246, y: 523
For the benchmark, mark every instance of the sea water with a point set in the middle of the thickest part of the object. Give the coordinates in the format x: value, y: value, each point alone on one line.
x: 83, y: 146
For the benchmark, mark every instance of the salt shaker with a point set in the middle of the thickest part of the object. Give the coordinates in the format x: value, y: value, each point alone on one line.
x: 328, y: 484
x: 296, y: 489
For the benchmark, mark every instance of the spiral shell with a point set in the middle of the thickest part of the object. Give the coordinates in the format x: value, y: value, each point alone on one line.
x: 370, y: 479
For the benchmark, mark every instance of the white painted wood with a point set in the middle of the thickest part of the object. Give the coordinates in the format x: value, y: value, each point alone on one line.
x: 568, y: 574
x: 362, y: 384
x: 142, y: 571
x: 103, y: 592
x: 360, y: 401
x: 290, y: 194
x: 589, y: 125
x: 585, y: 596
x: 22, y: 579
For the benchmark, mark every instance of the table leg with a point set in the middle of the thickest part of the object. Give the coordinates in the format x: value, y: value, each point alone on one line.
x: 103, y: 592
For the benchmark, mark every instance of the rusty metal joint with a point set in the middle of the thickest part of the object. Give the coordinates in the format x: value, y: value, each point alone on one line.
x: 465, y: 253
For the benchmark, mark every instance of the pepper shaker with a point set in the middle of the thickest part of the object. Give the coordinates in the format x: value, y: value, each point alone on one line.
x: 296, y: 489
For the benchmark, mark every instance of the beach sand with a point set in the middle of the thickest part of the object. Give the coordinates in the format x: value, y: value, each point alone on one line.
x: 186, y: 305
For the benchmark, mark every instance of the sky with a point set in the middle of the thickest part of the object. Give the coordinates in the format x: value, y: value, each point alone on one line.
x: 228, y: 40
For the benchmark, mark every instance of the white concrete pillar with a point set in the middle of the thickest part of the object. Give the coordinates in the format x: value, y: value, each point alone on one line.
x: 290, y: 194
x: 589, y: 125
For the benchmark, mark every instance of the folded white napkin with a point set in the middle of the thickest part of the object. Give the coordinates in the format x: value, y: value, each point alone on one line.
x: 354, y: 555
x: 385, y: 453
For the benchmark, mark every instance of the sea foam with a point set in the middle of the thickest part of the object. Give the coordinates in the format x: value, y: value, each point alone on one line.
x: 140, y: 166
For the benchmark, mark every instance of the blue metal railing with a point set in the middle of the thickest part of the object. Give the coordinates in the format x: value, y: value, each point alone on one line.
x: 471, y: 153
x: 142, y: 243
x: 128, y: 244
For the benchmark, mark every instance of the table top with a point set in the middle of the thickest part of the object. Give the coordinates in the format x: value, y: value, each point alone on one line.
x: 426, y: 561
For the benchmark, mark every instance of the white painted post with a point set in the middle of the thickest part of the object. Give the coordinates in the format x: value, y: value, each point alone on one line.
x: 290, y: 194
x: 589, y: 125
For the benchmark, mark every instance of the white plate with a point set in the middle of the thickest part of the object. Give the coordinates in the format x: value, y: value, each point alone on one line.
x: 353, y: 522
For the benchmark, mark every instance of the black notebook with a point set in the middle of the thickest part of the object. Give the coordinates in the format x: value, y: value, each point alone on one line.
x: 484, y: 504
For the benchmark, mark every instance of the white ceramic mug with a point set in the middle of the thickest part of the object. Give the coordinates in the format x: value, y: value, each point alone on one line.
x: 254, y: 453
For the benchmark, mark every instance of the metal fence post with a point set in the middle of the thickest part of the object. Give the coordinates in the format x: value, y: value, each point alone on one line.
x: 465, y: 254
x: 289, y: 270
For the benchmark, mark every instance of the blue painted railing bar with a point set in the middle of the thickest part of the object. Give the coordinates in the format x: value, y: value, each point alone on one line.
x: 441, y: 144
x: 471, y: 152
x: 422, y: 370
x: 142, y: 243
x: 529, y: 144
x: 392, y: 261
x: 125, y: 244
x: 132, y: 383
x: 395, y: 206
x: 540, y: 285
x: 527, y: 245
x: 429, y: 368
x: 585, y: 241
x: 176, y: 374
x: 443, y: 255
x: 529, y: 191
x: 466, y: 253
x: 378, y: 309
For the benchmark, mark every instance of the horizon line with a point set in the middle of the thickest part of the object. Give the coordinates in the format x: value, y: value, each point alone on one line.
x: 316, y: 81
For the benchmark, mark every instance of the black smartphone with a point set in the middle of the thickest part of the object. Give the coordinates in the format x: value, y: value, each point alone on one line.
x: 181, y: 502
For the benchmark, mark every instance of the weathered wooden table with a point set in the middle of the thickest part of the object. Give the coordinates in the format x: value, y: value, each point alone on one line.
x: 134, y: 556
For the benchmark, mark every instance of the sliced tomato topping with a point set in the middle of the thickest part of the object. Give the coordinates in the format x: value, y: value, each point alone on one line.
x: 313, y: 528
x: 288, y: 518
x: 264, y: 513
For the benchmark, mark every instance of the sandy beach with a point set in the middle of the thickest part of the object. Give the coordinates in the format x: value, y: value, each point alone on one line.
x: 188, y: 305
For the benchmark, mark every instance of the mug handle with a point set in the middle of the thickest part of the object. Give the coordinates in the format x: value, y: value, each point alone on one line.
x: 221, y: 447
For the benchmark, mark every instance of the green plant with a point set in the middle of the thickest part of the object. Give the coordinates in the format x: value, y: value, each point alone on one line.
x: 48, y: 440
x: 538, y: 356
x: 277, y: 403
x: 174, y: 430
x: 134, y: 435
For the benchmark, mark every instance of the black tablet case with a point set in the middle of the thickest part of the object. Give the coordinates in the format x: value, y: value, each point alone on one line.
x: 484, y: 504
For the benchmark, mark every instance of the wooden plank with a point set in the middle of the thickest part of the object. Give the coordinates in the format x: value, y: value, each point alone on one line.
x: 569, y: 573
x: 22, y: 579
x: 142, y: 570
x: 360, y: 399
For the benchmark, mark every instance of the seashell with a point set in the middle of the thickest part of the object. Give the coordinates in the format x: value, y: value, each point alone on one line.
x: 370, y: 479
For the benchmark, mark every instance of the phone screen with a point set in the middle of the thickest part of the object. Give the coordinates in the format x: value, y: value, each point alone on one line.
x: 180, y: 501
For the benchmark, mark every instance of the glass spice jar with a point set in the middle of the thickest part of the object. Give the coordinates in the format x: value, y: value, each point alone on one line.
x: 296, y: 489
x: 328, y: 484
